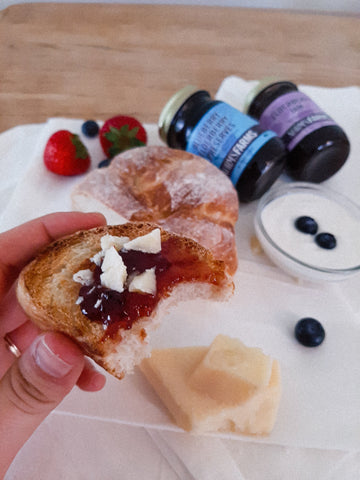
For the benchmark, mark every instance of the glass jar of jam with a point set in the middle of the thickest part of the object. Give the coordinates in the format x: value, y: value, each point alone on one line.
x: 317, y: 147
x: 253, y: 158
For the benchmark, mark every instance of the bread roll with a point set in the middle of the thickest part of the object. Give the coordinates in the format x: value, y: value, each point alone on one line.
x: 180, y: 192
x: 117, y: 340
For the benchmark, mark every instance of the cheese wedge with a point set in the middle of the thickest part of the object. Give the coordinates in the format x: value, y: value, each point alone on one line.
x: 169, y: 372
x: 230, y: 371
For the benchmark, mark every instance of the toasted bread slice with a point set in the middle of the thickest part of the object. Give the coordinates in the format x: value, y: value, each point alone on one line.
x: 49, y: 295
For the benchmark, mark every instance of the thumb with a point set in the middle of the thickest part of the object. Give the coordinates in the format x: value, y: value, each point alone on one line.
x: 33, y: 386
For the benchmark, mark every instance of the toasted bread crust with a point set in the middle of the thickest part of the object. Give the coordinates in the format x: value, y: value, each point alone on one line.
x: 47, y: 292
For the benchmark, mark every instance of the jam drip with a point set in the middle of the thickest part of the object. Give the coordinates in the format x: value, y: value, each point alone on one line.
x: 116, y: 310
x: 113, y: 309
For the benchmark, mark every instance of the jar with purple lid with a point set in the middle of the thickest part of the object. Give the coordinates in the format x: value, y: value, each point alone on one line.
x: 316, y: 146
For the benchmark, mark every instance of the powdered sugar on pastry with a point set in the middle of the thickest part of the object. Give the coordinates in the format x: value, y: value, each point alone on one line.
x: 219, y: 240
x: 183, y: 192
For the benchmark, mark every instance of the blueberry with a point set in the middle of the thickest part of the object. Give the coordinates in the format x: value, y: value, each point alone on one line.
x: 306, y: 225
x: 309, y: 332
x: 326, y: 240
x: 90, y: 128
x: 104, y: 163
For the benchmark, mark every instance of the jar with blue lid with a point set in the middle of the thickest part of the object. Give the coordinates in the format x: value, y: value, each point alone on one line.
x: 234, y: 142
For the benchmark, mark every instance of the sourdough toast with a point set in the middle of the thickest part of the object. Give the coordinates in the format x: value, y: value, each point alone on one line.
x: 50, y: 297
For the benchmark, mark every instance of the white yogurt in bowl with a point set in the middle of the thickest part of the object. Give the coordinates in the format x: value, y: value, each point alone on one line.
x: 297, y: 252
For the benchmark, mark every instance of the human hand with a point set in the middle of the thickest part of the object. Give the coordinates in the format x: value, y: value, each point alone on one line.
x: 50, y: 364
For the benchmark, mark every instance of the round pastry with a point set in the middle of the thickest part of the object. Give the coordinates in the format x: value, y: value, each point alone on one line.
x: 179, y: 191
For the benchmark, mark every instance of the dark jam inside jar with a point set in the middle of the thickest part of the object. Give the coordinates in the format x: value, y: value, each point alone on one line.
x: 235, y: 143
x: 328, y: 149
x: 174, y: 264
x: 321, y: 152
x: 187, y: 117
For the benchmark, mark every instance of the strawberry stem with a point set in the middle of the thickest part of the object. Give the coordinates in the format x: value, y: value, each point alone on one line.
x: 122, y: 139
x: 80, y: 149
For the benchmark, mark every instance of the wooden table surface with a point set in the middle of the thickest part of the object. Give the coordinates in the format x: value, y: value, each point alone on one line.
x: 95, y: 61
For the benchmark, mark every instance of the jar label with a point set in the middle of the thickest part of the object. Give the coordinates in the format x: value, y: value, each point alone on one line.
x: 227, y: 138
x: 293, y: 116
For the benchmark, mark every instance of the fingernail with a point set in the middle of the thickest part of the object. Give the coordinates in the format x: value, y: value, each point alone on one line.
x: 49, y: 361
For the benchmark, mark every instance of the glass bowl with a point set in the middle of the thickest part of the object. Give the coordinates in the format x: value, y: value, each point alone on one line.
x: 298, y: 253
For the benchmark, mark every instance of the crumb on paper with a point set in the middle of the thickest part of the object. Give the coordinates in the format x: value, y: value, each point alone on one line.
x: 255, y: 246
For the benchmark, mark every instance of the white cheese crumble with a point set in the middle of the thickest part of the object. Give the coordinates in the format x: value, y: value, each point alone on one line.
x: 114, y: 271
x: 97, y: 258
x: 98, y: 303
x: 144, y: 282
x: 85, y: 277
x: 111, y: 259
x: 108, y: 241
x: 149, y: 243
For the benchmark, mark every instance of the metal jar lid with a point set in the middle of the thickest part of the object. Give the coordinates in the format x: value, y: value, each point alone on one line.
x: 172, y: 107
x: 259, y: 87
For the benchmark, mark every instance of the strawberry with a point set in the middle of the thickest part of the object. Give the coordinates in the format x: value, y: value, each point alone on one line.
x: 65, y: 154
x: 121, y: 133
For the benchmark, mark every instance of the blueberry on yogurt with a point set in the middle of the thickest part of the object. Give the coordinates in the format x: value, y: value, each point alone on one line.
x: 309, y: 332
x: 306, y: 224
x: 326, y: 240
